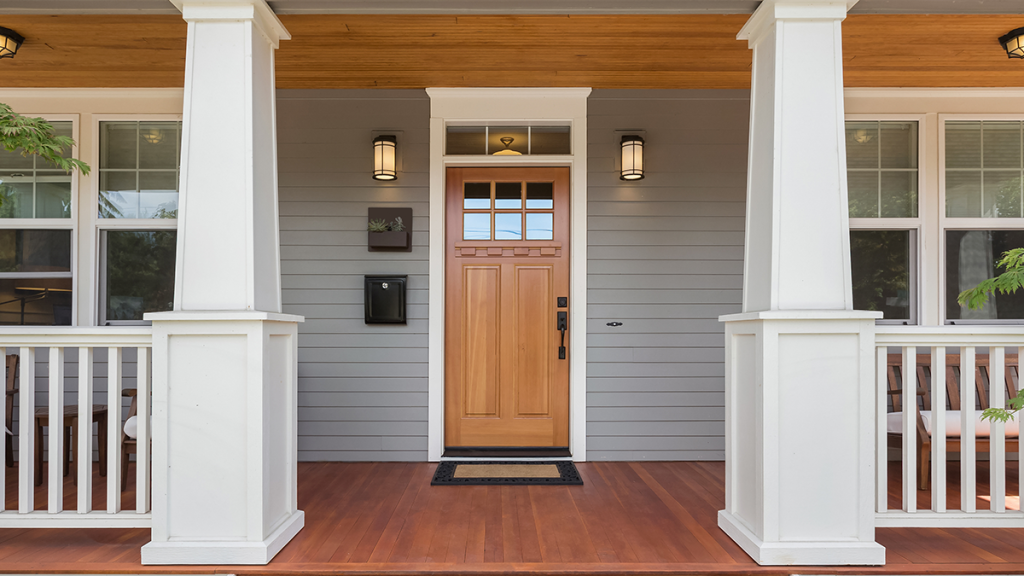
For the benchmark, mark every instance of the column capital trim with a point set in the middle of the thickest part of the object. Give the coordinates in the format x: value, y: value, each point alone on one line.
x: 258, y: 11
x: 771, y: 11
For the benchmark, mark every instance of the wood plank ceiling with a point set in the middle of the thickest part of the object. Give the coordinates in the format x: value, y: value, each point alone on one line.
x: 606, y: 51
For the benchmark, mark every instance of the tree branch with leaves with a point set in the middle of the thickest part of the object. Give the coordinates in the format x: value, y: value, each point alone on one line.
x: 1011, y: 280
x: 36, y: 137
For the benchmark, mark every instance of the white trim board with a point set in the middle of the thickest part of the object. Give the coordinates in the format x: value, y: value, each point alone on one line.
x: 510, y: 106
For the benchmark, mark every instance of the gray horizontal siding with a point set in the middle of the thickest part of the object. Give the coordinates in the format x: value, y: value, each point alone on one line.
x: 665, y: 258
x: 362, y: 388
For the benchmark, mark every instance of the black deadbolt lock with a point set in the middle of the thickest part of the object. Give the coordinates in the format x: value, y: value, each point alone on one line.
x: 563, y: 301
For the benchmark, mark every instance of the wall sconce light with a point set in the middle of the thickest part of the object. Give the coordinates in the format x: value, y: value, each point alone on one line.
x: 10, y: 41
x: 384, y: 162
x: 1013, y: 43
x: 632, y: 158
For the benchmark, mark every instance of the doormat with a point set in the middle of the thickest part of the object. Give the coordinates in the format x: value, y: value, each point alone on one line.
x: 477, y: 473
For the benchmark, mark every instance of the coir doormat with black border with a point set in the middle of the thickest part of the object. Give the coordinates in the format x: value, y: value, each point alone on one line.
x: 479, y: 473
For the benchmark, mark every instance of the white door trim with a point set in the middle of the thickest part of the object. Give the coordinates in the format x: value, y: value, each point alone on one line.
x: 510, y: 106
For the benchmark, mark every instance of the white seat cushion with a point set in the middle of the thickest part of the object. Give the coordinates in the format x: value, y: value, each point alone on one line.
x: 981, y: 428
x: 131, y: 427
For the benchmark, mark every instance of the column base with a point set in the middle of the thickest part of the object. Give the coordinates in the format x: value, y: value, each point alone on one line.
x: 800, y: 553
x: 210, y: 553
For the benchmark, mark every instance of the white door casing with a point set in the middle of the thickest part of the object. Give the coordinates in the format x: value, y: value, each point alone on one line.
x: 509, y: 107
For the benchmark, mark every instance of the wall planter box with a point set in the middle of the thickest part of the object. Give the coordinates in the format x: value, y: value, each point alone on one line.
x: 385, y: 240
x: 390, y: 241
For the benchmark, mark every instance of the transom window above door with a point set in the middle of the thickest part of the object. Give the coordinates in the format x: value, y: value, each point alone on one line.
x: 507, y: 140
x: 508, y: 211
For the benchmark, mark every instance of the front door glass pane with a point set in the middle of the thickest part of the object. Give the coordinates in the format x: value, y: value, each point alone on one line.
x: 539, y: 226
x: 476, y: 226
x: 539, y: 196
x: 508, y: 195
x: 477, y: 196
x: 508, y: 226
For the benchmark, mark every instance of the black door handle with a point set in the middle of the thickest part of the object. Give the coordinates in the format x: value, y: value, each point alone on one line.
x: 563, y: 325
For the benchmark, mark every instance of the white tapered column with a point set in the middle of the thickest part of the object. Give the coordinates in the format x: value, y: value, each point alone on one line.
x: 799, y: 359
x: 224, y: 361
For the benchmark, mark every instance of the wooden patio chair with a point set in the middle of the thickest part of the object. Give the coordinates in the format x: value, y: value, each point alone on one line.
x: 11, y: 390
x: 952, y: 399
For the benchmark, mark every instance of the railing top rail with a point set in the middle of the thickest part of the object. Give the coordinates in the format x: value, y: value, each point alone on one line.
x: 43, y: 336
x: 1002, y: 335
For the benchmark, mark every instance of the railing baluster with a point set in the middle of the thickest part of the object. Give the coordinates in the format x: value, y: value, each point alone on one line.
x: 142, y: 436
x: 55, y: 490
x: 114, y: 430
x: 26, y: 431
x: 83, y: 457
x: 881, y: 423
x: 997, y: 433
x: 938, y: 428
x: 967, y: 435
x: 909, y: 429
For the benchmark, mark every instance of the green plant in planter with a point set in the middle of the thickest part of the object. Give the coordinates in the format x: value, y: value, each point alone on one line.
x: 381, y: 225
x: 378, y: 225
x: 1011, y: 280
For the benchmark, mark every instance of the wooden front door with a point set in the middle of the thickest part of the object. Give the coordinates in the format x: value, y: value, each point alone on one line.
x: 507, y: 260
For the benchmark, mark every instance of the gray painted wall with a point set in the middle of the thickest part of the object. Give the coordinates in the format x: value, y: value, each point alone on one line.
x: 362, y: 388
x: 665, y: 259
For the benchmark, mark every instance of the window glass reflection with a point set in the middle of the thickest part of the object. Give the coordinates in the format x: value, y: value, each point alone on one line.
x: 508, y: 226
x: 476, y: 226
x: 539, y: 227
x: 508, y: 195
x: 477, y: 195
x: 540, y: 195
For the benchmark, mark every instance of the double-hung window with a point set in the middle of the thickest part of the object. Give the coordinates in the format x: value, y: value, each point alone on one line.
x: 137, y: 218
x: 36, y: 238
x: 883, y: 184
x: 983, y: 190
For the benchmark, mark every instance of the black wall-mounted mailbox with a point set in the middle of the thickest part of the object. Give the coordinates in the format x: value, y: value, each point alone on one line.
x: 384, y: 297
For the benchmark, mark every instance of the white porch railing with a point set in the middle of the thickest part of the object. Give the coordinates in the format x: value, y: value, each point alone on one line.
x: 939, y: 343
x: 86, y: 340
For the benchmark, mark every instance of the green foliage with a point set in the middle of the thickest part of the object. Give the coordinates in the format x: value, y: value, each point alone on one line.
x: 1006, y: 283
x: 1014, y: 405
x: 36, y: 137
x: 381, y: 225
x: 377, y: 226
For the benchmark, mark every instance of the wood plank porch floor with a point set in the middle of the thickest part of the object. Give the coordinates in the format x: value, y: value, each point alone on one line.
x: 628, y: 518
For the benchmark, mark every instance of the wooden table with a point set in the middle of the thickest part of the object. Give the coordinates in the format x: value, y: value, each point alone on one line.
x: 99, y: 416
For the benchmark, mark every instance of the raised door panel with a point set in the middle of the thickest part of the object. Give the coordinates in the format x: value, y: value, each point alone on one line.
x: 481, y: 318
x: 534, y: 348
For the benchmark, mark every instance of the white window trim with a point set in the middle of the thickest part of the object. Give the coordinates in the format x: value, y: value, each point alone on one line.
x: 59, y: 223
x: 929, y: 103
x: 99, y: 225
x: 947, y: 223
x: 916, y: 225
x: 510, y: 107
